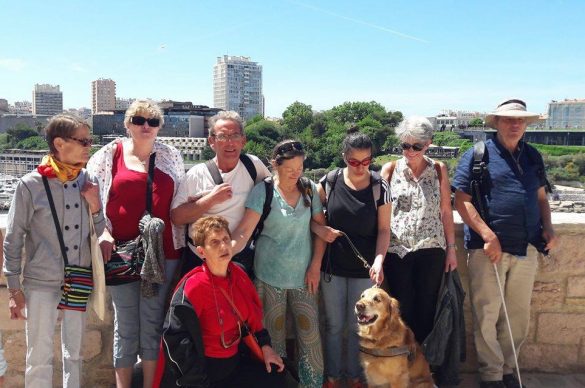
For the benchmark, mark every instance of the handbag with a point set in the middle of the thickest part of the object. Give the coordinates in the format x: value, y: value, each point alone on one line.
x: 248, y: 336
x: 126, y: 262
x: 78, y: 281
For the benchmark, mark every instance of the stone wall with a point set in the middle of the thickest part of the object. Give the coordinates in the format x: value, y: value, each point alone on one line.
x: 556, y: 340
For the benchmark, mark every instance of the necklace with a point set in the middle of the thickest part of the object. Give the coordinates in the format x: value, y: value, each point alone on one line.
x: 235, y: 340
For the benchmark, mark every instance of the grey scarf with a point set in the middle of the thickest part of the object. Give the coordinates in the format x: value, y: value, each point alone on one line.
x: 153, y: 269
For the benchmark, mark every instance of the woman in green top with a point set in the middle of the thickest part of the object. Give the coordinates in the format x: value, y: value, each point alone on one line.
x: 287, y: 269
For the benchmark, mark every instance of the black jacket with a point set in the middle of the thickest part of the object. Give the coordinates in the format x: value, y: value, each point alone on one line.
x: 445, y: 346
x: 181, y: 360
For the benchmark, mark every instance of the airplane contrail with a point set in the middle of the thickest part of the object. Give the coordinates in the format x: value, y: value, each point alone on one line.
x: 362, y: 22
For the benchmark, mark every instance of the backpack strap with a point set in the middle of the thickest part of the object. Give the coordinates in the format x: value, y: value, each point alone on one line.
x: 536, y: 157
x: 250, y: 167
x: 330, y: 180
x: 214, y: 171
x: 269, y: 187
x: 216, y: 175
x: 376, y: 182
x: 307, y: 192
x: 478, y: 173
x: 479, y: 166
x: 391, y: 167
x: 438, y: 170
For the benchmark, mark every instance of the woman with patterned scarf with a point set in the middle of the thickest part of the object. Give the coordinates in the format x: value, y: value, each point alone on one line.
x: 31, y: 228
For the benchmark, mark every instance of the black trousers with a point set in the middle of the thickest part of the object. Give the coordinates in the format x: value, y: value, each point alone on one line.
x: 243, y: 372
x: 415, y: 281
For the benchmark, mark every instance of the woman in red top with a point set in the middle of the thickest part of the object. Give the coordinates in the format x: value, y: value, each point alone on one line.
x: 122, y: 169
x: 209, y: 313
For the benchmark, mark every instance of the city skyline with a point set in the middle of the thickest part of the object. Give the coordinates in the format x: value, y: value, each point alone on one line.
x: 417, y: 58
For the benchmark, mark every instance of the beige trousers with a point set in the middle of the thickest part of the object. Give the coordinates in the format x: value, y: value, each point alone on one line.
x: 491, y: 335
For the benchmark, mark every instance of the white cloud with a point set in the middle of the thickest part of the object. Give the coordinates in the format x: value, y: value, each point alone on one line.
x: 77, y: 67
x: 12, y: 64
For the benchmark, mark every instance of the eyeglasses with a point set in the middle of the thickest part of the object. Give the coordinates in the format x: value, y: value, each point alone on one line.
x: 234, y: 340
x: 356, y: 163
x: 415, y: 147
x: 223, y: 138
x: 139, y: 120
x: 84, y: 142
x: 290, y: 146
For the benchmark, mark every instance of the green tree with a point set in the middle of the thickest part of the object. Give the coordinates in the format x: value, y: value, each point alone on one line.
x: 476, y: 122
x: 261, y: 137
x: 297, y: 116
x: 254, y: 119
x: 319, y: 124
x: 377, y: 132
x: 20, y: 132
x: 353, y: 112
x: 207, y: 153
x: 33, y: 143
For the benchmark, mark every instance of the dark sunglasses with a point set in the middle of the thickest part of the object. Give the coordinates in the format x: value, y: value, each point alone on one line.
x: 356, y: 163
x: 139, y: 120
x: 288, y: 147
x: 415, y: 147
x: 84, y: 142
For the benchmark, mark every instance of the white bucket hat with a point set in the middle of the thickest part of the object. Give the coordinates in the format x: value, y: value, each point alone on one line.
x: 511, y: 108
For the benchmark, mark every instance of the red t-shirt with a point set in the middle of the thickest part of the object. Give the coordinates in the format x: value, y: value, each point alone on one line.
x: 202, y: 290
x: 127, y: 202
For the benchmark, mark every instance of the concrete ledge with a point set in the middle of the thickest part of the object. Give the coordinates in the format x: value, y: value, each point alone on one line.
x: 556, y: 340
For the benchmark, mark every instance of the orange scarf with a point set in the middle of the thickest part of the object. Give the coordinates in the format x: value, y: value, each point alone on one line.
x: 53, y: 168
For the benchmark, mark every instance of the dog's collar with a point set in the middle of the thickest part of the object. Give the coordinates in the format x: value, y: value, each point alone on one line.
x: 388, y: 352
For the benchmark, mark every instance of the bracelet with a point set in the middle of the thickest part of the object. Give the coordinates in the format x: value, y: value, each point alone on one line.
x: 12, y: 292
x: 96, y: 213
x: 454, y: 246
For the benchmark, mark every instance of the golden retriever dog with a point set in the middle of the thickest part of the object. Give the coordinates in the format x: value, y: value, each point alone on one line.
x: 389, y: 353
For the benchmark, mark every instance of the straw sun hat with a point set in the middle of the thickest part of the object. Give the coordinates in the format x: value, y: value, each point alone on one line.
x: 511, y: 108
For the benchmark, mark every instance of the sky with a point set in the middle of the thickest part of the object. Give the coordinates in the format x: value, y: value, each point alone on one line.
x: 417, y: 57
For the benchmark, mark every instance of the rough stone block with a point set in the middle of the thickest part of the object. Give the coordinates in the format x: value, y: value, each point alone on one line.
x: 576, y: 287
x: 575, y: 302
x: 14, y: 380
x: 550, y: 358
x: 546, y: 295
x: 92, y: 344
x: 15, y: 351
x: 567, y: 257
x: 560, y: 329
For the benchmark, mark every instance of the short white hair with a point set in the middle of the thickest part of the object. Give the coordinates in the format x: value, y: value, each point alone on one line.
x: 417, y: 127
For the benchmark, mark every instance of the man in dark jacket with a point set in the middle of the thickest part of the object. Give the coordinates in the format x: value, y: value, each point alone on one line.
x: 515, y: 212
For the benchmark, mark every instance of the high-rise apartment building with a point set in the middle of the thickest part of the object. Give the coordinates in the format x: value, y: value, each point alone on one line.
x: 103, y: 95
x: 566, y: 114
x: 47, y: 100
x: 123, y: 103
x: 237, y: 86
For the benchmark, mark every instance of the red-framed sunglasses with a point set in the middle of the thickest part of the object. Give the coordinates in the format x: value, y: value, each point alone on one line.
x: 355, y: 163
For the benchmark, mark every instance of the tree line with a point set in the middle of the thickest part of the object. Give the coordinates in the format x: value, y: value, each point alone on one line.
x: 322, y: 132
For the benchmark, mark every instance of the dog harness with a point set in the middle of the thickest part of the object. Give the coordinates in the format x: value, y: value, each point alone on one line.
x: 389, y: 352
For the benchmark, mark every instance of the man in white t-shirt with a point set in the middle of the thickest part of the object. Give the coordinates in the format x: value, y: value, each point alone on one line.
x: 198, y: 194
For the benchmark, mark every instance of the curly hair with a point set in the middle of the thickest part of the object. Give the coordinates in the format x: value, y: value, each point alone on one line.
x: 200, y: 229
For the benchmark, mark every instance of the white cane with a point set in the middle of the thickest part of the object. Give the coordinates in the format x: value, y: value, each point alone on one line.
x: 508, y: 323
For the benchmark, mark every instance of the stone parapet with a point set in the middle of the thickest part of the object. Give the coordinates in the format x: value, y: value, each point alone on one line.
x: 555, y: 343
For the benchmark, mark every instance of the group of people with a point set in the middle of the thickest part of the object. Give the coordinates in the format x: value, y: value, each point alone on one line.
x: 353, y: 229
